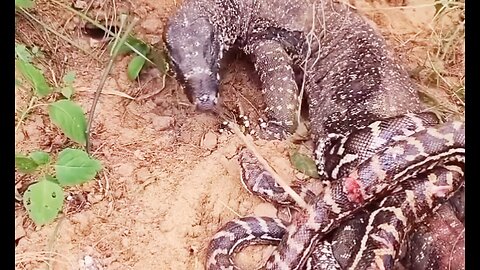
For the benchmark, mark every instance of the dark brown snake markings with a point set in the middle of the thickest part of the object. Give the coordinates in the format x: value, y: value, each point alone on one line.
x: 408, y: 203
x: 373, y: 144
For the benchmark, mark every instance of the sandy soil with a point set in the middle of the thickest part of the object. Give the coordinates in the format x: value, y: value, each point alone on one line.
x: 170, y: 179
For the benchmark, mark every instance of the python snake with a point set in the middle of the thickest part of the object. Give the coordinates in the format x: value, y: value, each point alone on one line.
x: 411, y: 201
x: 365, y: 119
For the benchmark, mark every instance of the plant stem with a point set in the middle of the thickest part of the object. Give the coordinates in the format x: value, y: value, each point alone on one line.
x: 104, y: 78
x: 29, y: 108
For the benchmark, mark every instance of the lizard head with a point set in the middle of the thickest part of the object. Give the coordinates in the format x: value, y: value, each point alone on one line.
x: 194, y: 54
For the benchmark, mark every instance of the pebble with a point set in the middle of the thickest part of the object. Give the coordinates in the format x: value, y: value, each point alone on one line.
x: 152, y: 25
x: 125, y: 169
x: 209, y: 141
x: 88, y: 263
x: 161, y: 123
x: 80, y: 4
x: 94, y: 198
x: 139, y: 154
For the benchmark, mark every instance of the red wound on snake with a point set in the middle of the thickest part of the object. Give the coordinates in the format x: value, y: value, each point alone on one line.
x: 440, y: 191
x: 353, y: 188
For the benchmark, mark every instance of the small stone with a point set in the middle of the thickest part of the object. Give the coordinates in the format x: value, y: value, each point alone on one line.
x: 126, y: 169
x: 152, y: 25
x: 161, y: 123
x: 139, y: 154
x: 209, y: 141
x: 88, y: 261
x: 94, y: 198
x: 80, y: 5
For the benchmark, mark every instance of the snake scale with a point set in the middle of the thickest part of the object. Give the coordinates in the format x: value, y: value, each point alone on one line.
x: 375, y: 144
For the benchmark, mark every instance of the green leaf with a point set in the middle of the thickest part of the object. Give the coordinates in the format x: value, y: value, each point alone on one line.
x: 24, y: 3
x: 35, y: 77
x: 22, y: 53
x: 43, y: 200
x: 69, y: 78
x: 136, y: 43
x: 67, y: 91
x: 40, y: 157
x: 135, y: 66
x: 75, y: 167
x: 304, y: 164
x: 25, y: 164
x: 69, y: 117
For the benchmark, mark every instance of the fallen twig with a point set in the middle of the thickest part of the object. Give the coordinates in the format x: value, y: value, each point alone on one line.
x: 267, y: 167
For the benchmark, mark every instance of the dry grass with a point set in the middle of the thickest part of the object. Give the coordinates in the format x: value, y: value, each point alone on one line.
x: 441, y: 68
x: 58, y: 31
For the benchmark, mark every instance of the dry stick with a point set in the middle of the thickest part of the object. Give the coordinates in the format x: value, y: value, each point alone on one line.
x: 229, y: 208
x: 267, y: 167
x: 104, y: 78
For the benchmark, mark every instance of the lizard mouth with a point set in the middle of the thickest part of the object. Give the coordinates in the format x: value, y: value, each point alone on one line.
x: 206, y: 102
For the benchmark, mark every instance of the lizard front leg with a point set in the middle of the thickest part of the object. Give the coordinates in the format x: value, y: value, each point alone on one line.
x: 279, y: 88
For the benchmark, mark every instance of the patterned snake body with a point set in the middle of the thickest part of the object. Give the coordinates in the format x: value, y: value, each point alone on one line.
x: 377, y: 176
x: 360, y: 105
x: 409, y: 202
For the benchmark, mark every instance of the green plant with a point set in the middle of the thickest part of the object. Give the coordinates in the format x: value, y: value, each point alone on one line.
x: 24, y: 3
x: 303, y: 163
x: 44, y: 198
x: 145, y: 54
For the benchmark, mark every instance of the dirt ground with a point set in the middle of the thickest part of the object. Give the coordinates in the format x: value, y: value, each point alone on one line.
x: 169, y: 178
